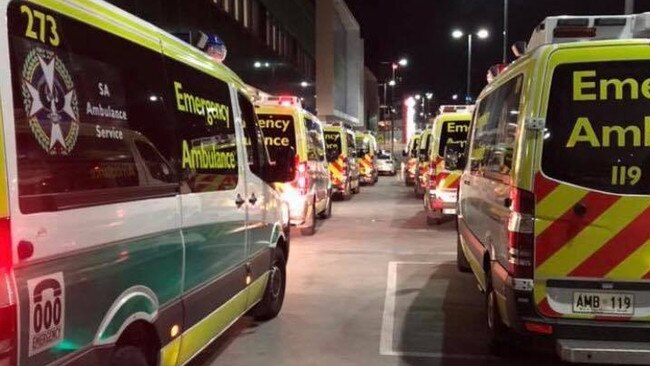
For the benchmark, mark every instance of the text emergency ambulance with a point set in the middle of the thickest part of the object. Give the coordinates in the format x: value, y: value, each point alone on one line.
x: 554, y: 203
x: 446, y: 162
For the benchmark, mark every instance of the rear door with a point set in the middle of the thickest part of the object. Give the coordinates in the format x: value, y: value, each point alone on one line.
x: 592, y: 186
x: 316, y: 159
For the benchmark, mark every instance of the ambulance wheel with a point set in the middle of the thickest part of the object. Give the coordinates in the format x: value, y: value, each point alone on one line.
x: 327, y: 213
x: 498, y: 333
x: 461, y: 261
x: 311, y: 229
x: 273, y: 298
x: 347, y: 193
x: 129, y: 356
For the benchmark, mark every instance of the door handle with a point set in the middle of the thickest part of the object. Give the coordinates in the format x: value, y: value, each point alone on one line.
x: 467, y: 182
x: 239, y: 201
x: 252, y: 199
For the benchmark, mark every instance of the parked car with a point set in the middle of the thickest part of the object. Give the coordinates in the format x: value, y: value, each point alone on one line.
x: 386, y: 164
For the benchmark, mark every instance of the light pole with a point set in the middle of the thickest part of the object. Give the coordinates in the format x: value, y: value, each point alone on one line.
x: 481, y: 34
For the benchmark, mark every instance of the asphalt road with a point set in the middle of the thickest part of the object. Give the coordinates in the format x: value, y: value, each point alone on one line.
x: 374, y: 286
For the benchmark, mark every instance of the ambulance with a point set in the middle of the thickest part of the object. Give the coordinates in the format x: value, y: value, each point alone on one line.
x: 367, y: 157
x: 446, y: 162
x: 410, y: 159
x: 294, y: 137
x: 422, y: 162
x: 342, y: 160
x: 554, y: 203
x: 139, y: 219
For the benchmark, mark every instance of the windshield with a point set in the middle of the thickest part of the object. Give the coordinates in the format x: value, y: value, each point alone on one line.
x: 279, y: 135
x: 453, y: 136
x: 597, y: 129
x: 332, y: 145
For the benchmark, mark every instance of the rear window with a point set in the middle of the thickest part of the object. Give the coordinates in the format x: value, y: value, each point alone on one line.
x: 279, y: 134
x: 453, y: 136
x: 414, y: 148
x: 332, y: 145
x: 597, y: 127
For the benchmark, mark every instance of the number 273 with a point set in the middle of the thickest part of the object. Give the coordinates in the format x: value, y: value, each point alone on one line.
x: 46, y: 26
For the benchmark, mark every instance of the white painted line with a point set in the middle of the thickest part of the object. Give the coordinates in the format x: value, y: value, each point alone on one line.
x: 388, y: 321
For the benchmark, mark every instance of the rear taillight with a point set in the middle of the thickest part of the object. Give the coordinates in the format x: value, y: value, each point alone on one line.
x: 433, y: 183
x: 8, y: 312
x: 302, y: 176
x: 521, y: 237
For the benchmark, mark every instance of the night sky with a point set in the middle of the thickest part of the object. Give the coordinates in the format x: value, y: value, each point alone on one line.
x: 420, y: 30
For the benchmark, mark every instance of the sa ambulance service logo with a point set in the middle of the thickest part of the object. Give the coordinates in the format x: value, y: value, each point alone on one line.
x: 50, y: 102
x: 46, y: 311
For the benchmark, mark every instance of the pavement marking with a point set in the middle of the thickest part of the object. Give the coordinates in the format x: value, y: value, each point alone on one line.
x: 388, y: 321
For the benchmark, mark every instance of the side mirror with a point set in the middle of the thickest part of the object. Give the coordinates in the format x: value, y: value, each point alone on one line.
x: 283, y: 169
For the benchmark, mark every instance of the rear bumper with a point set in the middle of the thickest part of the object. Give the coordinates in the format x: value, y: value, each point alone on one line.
x: 629, y: 353
x: 587, y: 341
x: 437, y: 205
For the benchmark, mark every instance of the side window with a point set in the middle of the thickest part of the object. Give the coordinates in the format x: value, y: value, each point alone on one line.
x: 495, y: 124
x: 83, y: 113
x: 205, y: 126
x: 352, y: 146
x: 255, y: 148
x: 315, y: 140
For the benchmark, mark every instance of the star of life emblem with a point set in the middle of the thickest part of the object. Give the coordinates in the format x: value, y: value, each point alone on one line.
x: 50, y: 102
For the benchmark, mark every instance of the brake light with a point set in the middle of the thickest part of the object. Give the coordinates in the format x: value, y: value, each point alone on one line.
x: 433, y: 182
x: 302, y: 176
x: 521, y: 233
x: 8, y: 311
x: 539, y: 328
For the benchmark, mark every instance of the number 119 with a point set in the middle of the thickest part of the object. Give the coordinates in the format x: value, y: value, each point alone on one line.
x: 625, y: 175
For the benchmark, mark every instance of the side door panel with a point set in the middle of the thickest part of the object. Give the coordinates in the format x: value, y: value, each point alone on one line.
x: 213, y: 196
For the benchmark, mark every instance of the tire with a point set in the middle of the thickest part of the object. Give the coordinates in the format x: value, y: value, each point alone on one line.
x: 347, y: 193
x: 129, y: 356
x: 461, y: 261
x: 327, y: 213
x: 311, y: 229
x: 271, y: 304
x: 358, y: 189
x: 498, y: 334
x: 433, y: 221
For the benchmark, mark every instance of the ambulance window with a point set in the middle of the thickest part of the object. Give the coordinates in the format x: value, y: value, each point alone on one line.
x: 453, y: 136
x: 352, y: 146
x: 332, y: 145
x: 279, y: 135
x: 255, y: 150
x: 315, y: 142
x: 495, y: 127
x: 79, y: 107
x: 201, y: 108
x: 414, y: 147
x: 597, y: 129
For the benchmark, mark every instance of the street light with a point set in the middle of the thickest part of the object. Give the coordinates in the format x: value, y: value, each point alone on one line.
x: 392, y: 83
x: 429, y: 96
x: 257, y: 64
x: 403, y: 62
x: 304, y: 84
x: 418, y: 97
x: 481, y: 34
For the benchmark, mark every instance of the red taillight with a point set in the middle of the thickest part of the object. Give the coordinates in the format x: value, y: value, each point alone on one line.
x: 539, y: 328
x: 433, y: 183
x: 521, y: 236
x: 302, y: 176
x: 8, y: 313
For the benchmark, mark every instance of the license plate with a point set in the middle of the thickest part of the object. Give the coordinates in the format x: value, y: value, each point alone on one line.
x: 603, y: 303
x: 449, y: 211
